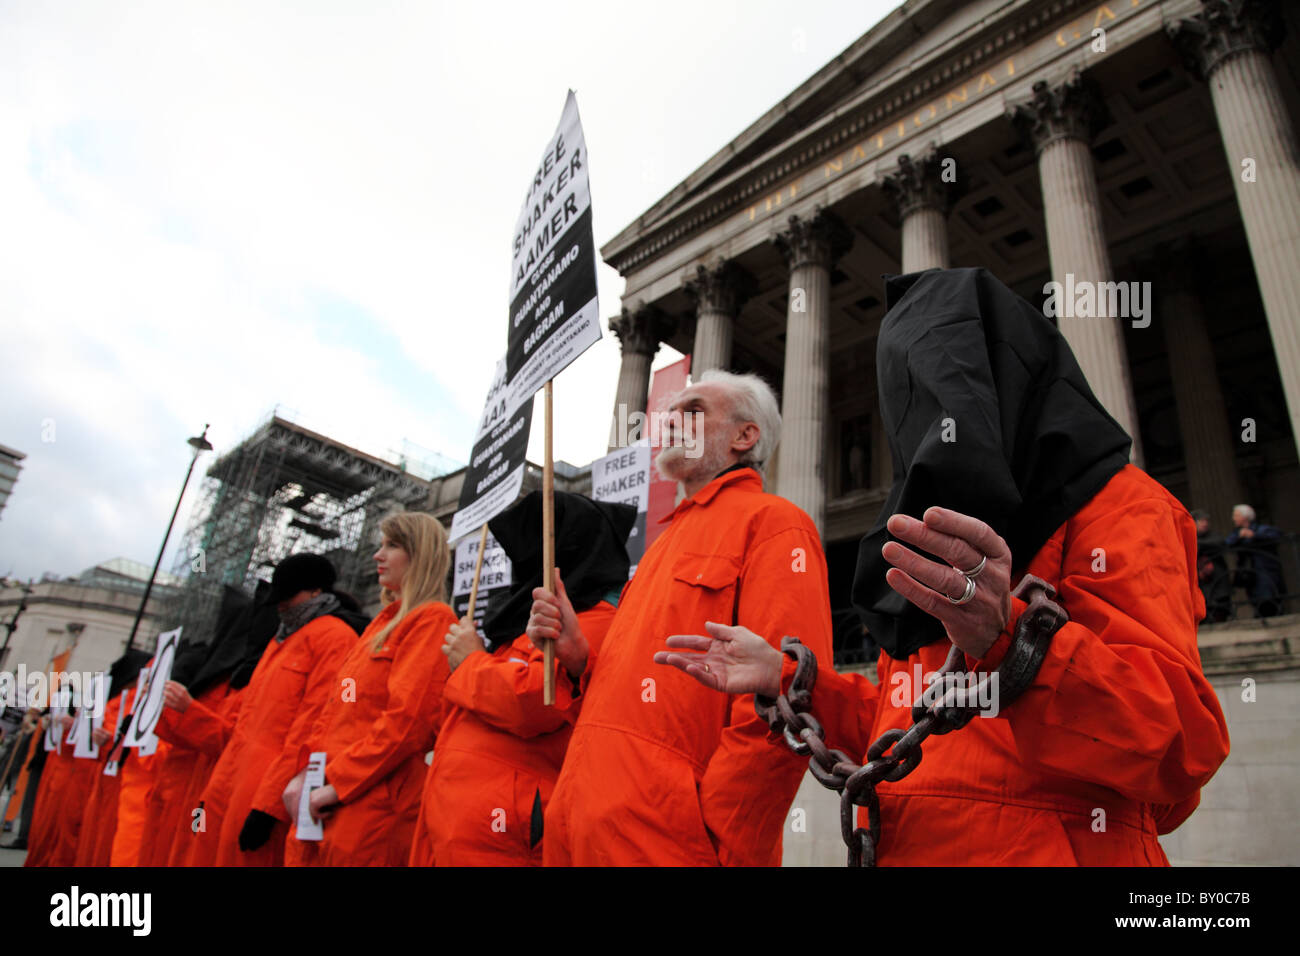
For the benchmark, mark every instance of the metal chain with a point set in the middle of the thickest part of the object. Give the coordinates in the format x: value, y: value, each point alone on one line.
x: 896, y: 752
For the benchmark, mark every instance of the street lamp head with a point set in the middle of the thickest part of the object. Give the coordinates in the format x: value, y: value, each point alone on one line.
x: 200, y: 444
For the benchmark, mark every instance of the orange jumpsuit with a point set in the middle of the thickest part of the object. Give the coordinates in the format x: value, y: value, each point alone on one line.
x: 662, y: 770
x: 499, y: 752
x: 52, y: 793
x: 77, y: 788
x: 292, y: 681
x: 209, y: 730
x: 375, y: 745
x: 136, y: 779
x: 138, y: 775
x: 1120, y: 718
x: 95, y: 842
x: 161, y: 804
x: 171, y: 811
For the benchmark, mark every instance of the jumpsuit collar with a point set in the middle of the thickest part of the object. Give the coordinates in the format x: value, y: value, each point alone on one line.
x: 743, y: 476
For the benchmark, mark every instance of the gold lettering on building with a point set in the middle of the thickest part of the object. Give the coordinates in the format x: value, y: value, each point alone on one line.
x: 1029, y: 58
x: 773, y: 201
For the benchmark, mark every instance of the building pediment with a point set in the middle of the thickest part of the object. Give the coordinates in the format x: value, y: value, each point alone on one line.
x: 919, y: 55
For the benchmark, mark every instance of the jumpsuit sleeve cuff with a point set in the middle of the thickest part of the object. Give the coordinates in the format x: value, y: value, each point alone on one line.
x: 585, y: 679
x: 994, y: 655
x: 788, y: 667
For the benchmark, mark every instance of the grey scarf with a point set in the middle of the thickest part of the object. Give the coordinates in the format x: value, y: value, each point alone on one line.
x: 300, y: 615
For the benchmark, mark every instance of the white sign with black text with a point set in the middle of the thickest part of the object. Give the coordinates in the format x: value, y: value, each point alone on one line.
x: 623, y: 476
x: 496, y: 466
x: 495, y: 578
x: 554, y: 315
x: 149, y: 701
x: 83, y: 731
x: 310, y: 828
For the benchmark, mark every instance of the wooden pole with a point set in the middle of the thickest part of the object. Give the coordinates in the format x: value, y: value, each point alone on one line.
x: 548, y: 546
x: 478, y: 571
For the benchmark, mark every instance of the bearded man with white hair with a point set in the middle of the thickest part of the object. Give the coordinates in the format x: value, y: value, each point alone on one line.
x: 661, y: 770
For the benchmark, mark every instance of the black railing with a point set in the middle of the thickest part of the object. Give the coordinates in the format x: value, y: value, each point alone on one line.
x: 1250, y: 579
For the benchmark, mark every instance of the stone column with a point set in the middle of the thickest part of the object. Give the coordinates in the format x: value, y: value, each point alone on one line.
x: 1061, y: 122
x: 810, y: 246
x: 923, y: 200
x: 719, y: 292
x: 639, y: 333
x: 1210, y: 453
x: 1228, y: 44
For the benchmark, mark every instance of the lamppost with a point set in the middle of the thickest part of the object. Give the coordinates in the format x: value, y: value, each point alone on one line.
x: 197, y: 447
x: 12, y: 625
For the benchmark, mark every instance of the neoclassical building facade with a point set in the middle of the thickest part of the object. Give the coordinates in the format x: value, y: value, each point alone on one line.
x: 1148, y: 144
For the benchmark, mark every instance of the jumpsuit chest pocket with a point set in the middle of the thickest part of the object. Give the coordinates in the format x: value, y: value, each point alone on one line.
x: 298, y: 662
x: 705, y: 586
x: 363, y: 675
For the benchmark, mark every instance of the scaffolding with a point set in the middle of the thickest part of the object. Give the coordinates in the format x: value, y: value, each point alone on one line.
x: 281, y: 491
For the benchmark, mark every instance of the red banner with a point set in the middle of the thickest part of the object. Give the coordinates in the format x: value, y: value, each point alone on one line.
x: 664, y: 384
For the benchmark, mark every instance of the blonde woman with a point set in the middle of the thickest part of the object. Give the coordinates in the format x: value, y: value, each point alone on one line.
x: 383, y: 716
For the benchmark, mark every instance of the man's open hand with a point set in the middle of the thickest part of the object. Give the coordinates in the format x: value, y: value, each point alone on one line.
x: 733, y: 660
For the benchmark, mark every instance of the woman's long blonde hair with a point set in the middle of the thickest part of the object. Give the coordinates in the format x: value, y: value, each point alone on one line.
x: 424, y: 540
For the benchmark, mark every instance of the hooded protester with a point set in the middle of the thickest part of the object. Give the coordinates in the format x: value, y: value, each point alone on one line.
x: 204, y: 713
x: 376, y: 731
x: 174, y: 770
x: 1006, y: 465
x: 169, y: 809
x: 99, y: 827
x: 500, y: 748
x: 139, y: 772
x: 63, y: 810
x: 294, y: 676
x: 56, y: 791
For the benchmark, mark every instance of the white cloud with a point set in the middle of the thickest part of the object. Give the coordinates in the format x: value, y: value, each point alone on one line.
x: 183, y: 184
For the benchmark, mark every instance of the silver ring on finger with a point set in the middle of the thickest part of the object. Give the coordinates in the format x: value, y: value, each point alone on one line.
x: 966, y: 595
x: 974, y: 572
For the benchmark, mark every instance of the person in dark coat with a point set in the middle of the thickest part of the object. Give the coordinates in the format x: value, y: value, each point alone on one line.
x: 1258, y: 569
x: 1212, y: 570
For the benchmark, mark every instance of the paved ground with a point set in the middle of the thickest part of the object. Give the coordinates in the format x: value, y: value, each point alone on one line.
x: 10, y: 857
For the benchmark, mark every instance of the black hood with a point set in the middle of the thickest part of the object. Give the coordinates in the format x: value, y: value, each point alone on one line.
x: 590, y: 551
x: 189, y: 659
x: 226, y: 649
x: 987, y: 413
x: 250, y: 632
x: 126, y: 669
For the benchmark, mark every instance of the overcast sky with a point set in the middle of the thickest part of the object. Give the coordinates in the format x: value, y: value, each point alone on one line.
x: 211, y: 209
